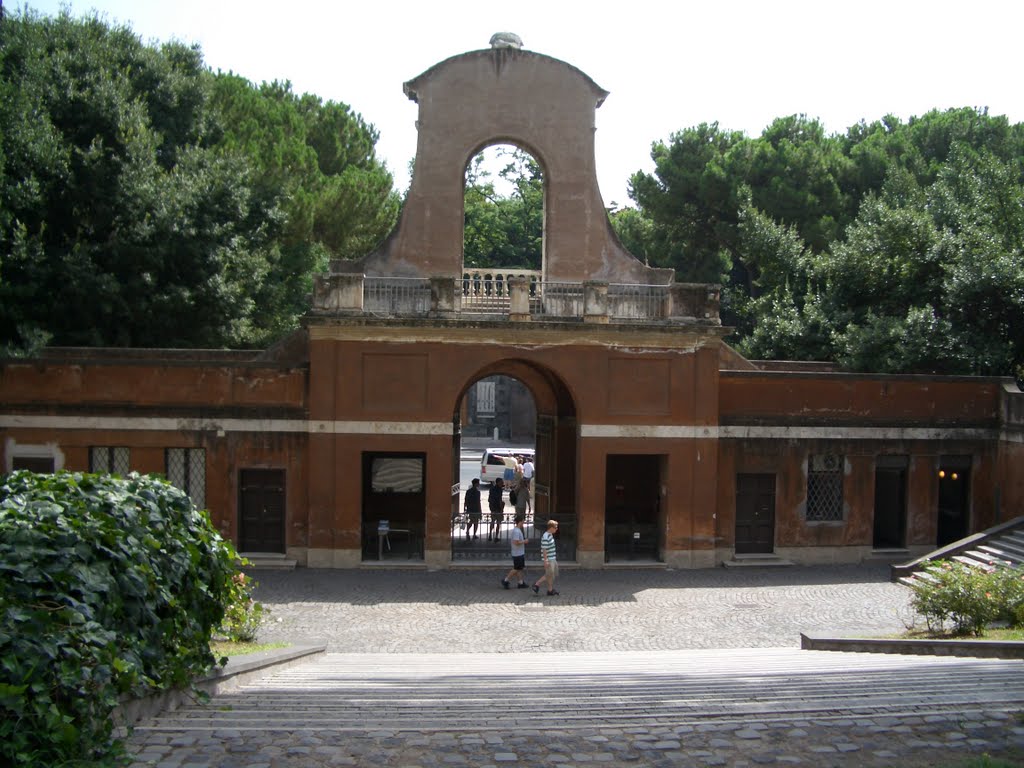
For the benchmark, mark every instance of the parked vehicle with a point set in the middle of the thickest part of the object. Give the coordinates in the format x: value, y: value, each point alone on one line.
x: 495, y: 461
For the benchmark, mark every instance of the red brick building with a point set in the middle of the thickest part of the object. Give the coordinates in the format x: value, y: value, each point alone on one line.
x: 654, y: 439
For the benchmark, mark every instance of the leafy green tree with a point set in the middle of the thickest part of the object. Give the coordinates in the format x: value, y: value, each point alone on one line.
x: 120, y: 225
x: 145, y: 201
x: 691, y: 203
x: 893, y: 248
x: 318, y: 158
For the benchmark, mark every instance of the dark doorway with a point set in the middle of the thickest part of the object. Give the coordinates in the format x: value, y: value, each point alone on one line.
x: 890, y: 503
x: 394, y: 505
x: 755, y: 513
x: 261, y: 505
x: 954, y: 486
x: 632, y: 507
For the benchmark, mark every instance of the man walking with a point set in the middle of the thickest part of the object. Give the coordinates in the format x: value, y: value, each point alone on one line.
x: 548, y: 555
x: 519, y: 542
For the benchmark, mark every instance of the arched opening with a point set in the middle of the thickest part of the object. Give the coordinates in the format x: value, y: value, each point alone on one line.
x: 503, y: 224
x: 509, y: 414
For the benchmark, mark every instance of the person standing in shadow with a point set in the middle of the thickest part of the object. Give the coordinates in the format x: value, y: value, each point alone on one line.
x: 496, y: 505
x: 471, y: 506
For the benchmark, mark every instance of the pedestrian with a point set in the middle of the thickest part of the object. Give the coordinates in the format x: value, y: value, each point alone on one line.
x: 522, y: 503
x: 471, y: 506
x: 519, y: 542
x: 528, y: 470
x: 496, y: 504
x: 548, y: 555
x: 528, y: 480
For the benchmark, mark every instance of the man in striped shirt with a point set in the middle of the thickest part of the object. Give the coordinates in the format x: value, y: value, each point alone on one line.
x: 547, y: 553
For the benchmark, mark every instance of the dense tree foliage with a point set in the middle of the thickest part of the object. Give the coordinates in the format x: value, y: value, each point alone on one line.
x: 316, y: 160
x: 504, y: 229
x: 896, y: 247
x: 145, y: 201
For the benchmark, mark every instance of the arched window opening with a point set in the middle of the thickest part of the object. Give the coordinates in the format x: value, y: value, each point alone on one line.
x: 503, y: 210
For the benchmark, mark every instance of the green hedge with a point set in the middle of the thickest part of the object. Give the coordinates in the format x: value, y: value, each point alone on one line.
x: 964, y: 600
x: 108, y: 586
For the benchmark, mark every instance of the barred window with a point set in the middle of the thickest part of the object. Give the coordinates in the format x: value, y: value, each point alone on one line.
x: 115, y: 460
x: 485, y: 397
x: 186, y: 469
x: 825, y: 488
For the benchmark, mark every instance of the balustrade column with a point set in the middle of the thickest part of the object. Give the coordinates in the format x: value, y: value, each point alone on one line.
x: 519, y: 299
x: 595, y: 301
x: 338, y: 292
x: 445, y: 295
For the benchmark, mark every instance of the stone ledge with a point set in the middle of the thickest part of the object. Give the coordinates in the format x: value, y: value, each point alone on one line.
x: 237, y: 671
x: 996, y: 649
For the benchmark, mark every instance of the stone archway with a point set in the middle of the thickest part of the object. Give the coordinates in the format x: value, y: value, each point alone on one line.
x: 555, y: 451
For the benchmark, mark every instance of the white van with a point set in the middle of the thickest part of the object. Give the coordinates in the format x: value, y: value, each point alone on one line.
x: 495, y: 461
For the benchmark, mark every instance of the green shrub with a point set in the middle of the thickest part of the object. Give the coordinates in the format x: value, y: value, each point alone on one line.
x: 958, y: 597
x: 1008, y: 592
x: 243, y: 616
x: 108, y: 586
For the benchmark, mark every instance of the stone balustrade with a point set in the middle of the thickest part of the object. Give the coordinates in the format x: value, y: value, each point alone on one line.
x: 519, y: 295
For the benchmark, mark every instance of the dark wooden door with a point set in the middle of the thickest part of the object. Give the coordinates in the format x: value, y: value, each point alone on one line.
x: 262, y: 494
x: 890, y: 508
x: 632, y: 528
x: 755, y: 513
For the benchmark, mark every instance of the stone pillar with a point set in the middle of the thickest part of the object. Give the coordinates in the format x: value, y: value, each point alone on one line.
x: 595, y: 301
x: 519, y: 299
x: 445, y: 295
x: 700, y: 301
x: 338, y: 292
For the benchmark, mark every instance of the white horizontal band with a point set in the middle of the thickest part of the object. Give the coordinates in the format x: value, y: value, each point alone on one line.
x: 433, y: 428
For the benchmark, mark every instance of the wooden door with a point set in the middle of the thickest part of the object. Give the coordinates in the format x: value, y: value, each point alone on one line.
x: 262, y: 510
x: 755, y: 513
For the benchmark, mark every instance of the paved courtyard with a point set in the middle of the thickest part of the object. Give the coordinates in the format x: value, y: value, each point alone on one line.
x: 418, y: 611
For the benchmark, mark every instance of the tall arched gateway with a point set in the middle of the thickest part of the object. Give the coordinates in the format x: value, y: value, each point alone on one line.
x: 612, y: 350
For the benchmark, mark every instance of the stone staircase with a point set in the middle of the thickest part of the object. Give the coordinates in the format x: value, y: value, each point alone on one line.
x: 1001, y: 546
x: 361, y: 693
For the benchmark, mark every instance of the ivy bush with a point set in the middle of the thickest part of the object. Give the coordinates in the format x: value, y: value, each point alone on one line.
x: 108, y: 586
x: 964, y: 600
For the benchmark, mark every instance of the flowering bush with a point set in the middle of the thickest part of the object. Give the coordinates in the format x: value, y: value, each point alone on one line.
x: 963, y: 599
x: 243, y: 616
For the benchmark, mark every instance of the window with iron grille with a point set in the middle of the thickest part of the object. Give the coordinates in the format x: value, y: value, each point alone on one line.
x: 115, y: 460
x: 825, y: 488
x: 186, y: 469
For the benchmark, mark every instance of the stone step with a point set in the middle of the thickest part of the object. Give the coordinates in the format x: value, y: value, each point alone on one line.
x: 1009, y: 545
x: 1003, y: 554
x: 747, y: 560
x: 268, y: 561
x: 457, y: 692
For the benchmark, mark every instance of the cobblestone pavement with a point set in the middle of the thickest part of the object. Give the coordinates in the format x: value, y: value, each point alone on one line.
x: 635, y: 667
x: 390, y: 611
